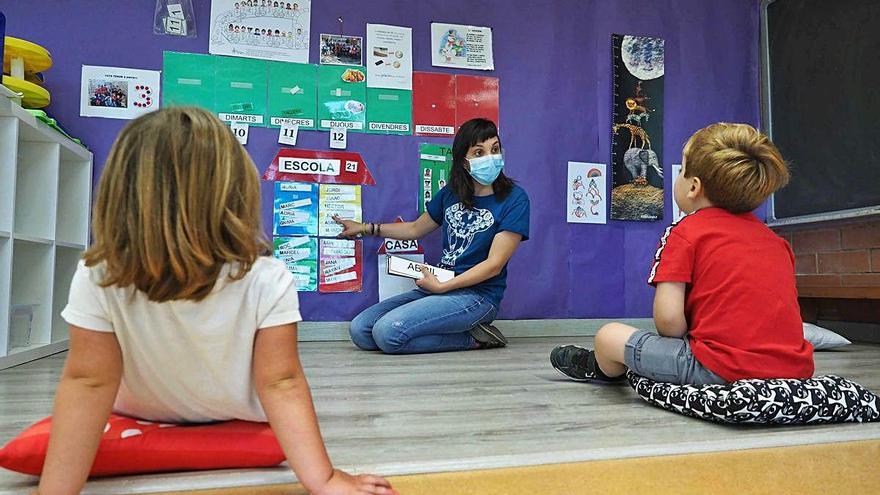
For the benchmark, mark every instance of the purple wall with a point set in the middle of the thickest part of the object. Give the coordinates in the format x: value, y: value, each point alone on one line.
x: 554, y: 61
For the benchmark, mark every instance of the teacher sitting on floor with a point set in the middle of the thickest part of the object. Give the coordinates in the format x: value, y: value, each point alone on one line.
x: 485, y: 216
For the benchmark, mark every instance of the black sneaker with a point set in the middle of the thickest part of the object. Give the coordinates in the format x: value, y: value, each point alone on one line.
x: 574, y: 362
x: 579, y: 363
x: 488, y: 336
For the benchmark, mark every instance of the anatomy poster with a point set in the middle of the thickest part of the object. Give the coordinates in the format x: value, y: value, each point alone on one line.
x: 261, y: 29
x: 462, y: 47
x: 637, y: 129
x: 586, y: 197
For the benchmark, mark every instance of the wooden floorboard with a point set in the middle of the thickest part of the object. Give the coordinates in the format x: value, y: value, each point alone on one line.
x: 461, y: 411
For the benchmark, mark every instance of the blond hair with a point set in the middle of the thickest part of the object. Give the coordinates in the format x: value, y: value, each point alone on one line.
x: 178, y: 199
x: 739, y: 167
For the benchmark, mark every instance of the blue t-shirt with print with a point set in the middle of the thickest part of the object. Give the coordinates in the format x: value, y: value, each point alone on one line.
x: 468, y: 234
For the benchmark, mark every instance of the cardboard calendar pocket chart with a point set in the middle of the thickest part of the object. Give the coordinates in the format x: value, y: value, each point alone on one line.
x: 293, y: 95
x: 240, y: 90
x: 433, y: 111
x: 342, y: 97
x: 476, y: 97
x: 389, y: 111
x: 188, y: 79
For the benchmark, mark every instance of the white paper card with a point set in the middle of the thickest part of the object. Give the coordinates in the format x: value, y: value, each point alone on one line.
x: 403, y: 267
x: 288, y: 133
x: 335, y: 279
x: 339, y: 266
x: 340, y: 243
x: 332, y: 251
x: 294, y: 242
x: 392, y: 285
x: 338, y: 138
x: 241, y: 131
x: 175, y: 10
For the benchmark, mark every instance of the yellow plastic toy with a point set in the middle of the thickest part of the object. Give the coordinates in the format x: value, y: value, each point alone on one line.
x: 22, y: 57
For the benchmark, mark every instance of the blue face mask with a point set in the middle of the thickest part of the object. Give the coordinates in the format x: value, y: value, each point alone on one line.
x: 485, y: 169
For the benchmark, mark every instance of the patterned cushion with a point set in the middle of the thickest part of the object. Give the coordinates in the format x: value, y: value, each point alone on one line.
x: 822, y: 399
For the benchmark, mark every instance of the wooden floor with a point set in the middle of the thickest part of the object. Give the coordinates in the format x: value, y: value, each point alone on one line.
x: 399, y: 415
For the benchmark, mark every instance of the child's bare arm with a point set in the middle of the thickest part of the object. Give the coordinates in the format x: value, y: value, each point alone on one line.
x: 669, y: 309
x: 83, y: 402
x: 287, y: 401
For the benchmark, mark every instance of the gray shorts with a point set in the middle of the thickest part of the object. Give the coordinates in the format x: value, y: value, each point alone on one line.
x: 666, y: 359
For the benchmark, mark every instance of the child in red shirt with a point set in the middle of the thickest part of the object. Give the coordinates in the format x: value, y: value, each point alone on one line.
x: 725, y: 305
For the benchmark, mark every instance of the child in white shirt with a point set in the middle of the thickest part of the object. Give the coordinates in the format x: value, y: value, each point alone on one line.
x: 175, y: 313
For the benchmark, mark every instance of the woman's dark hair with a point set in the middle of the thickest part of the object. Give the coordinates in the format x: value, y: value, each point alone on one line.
x: 470, y: 133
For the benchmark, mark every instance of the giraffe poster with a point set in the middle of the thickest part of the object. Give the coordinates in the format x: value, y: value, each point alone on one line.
x: 637, y: 128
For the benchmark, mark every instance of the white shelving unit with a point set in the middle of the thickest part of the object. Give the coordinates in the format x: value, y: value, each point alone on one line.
x: 45, y: 199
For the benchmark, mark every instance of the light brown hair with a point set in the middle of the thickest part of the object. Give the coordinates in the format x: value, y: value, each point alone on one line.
x: 739, y: 167
x: 178, y: 199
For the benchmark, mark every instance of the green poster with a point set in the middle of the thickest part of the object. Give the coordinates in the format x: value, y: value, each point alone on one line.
x: 389, y: 111
x: 300, y: 256
x: 188, y: 79
x: 435, y: 162
x: 240, y: 90
x: 342, y: 97
x: 292, y: 94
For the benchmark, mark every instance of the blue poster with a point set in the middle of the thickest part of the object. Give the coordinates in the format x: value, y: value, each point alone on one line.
x: 296, y: 209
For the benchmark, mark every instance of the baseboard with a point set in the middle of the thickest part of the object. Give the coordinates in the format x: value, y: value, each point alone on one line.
x: 868, y: 333
x: 322, y: 331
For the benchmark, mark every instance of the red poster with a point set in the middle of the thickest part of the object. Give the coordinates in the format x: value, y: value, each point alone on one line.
x: 325, y: 167
x: 341, y: 267
x: 476, y: 96
x: 434, y: 104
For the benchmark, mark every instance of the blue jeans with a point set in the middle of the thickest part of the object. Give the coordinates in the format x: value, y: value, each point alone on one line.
x: 417, y: 322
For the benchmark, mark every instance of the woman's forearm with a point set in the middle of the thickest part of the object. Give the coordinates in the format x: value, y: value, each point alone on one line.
x: 404, y: 231
x: 474, y: 275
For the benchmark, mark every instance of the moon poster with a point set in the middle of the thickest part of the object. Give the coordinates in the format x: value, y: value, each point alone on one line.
x: 637, y: 128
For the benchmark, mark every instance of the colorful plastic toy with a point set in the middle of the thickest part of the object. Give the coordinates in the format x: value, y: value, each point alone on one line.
x: 22, y: 61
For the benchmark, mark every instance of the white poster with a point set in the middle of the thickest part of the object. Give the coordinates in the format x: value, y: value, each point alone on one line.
x: 464, y: 47
x: 392, y: 285
x: 677, y: 214
x: 261, y: 29
x: 586, y: 196
x: 389, y: 57
x: 117, y: 93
